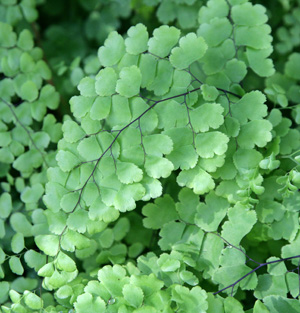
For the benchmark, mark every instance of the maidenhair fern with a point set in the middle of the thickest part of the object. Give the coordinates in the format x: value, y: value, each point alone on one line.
x: 172, y: 185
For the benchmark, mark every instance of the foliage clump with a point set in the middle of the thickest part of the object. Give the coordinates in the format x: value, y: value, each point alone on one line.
x: 168, y: 180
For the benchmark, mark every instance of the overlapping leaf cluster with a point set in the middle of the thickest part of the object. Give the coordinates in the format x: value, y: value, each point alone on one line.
x: 167, y: 118
x: 183, y: 12
x: 28, y: 135
x: 78, y: 58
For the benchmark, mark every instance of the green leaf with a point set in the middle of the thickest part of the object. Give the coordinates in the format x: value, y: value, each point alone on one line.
x: 211, y: 143
x: 137, y: 107
x: 120, y: 113
x: 76, y: 75
x: 163, y: 40
x: 208, y: 115
x: 157, y: 167
x: 250, y: 107
x: 255, y: 133
x: 21, y: 284
x: 49, y: 244
x: 44, y: 70
x: 99, y: 211
x: 189, y: 301
x: 292, y: 66
x: 129, y: 83
x: 65, y: 263
x: 106, y: 238
x: 278, y: 304
x: 66, y: 160
x: 87, y: 87
x: 231, y: 305
x: 29, y: 11
x: 113, y: 279
x: 276, y: 269
x: 4, y: 291
x: 290, y: 249
x: 20, y: 223
x: 78, y: 220
x: 248, y: 14
x: 32, y: 300
x: 41, y: 140
x: 214, y: 33
x: 14, y: 296
x: 269, y: 211
x: 133, y: 295
x: 163, y: 79
x: 25, y: 40
x: 6, y: 156
x: 52, y: 128
x: 160, y: 212
x: 101, y: 108
x: 215, y: 8
x: 232, y: 267
x: 16, y: 265
x: 191, y: 48
x: 167, y: 263
x: 8, y: 37
x: 113, y: 49
x: 2, y: 256
x: 259, y: 63
x: 81, y: 105
x: 64, y: 292
x: 69, y: 201
x: 293, y: 284
x: 106, y: 81
x: 2, y: 229
x: 210, y: 215
x: 17, y: 243
x: 137, y: 41
x: 245, y: 159
x: 32, y: 194
x: 189, y: 278
x: 183, y: 154
x: 34, y: 259
x: 89, y: 148
x: 235, y: 70
x: 5, y: 205
x: 256, y: 37
x: 239, y: 224
x: 210, y: 93
x: 286, y: 228
x: 128, y: 173
x: 270, y: 285
x: 29, y: 91
x: 152, y: 186
x: 127, y: 196
x: 157, y: 144
x: 90, y: 193
x: 47, y: 270
x: 259, y: 307
x: 59, y: 279
x: 186, y: 207
x: 90, y: 126
x: 86, y: 303
x: 197, y: 179
x: 147, y: 66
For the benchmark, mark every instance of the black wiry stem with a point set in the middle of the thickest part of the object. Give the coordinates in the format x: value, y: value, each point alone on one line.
x: 255, y: 269
x: 260, y: 265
